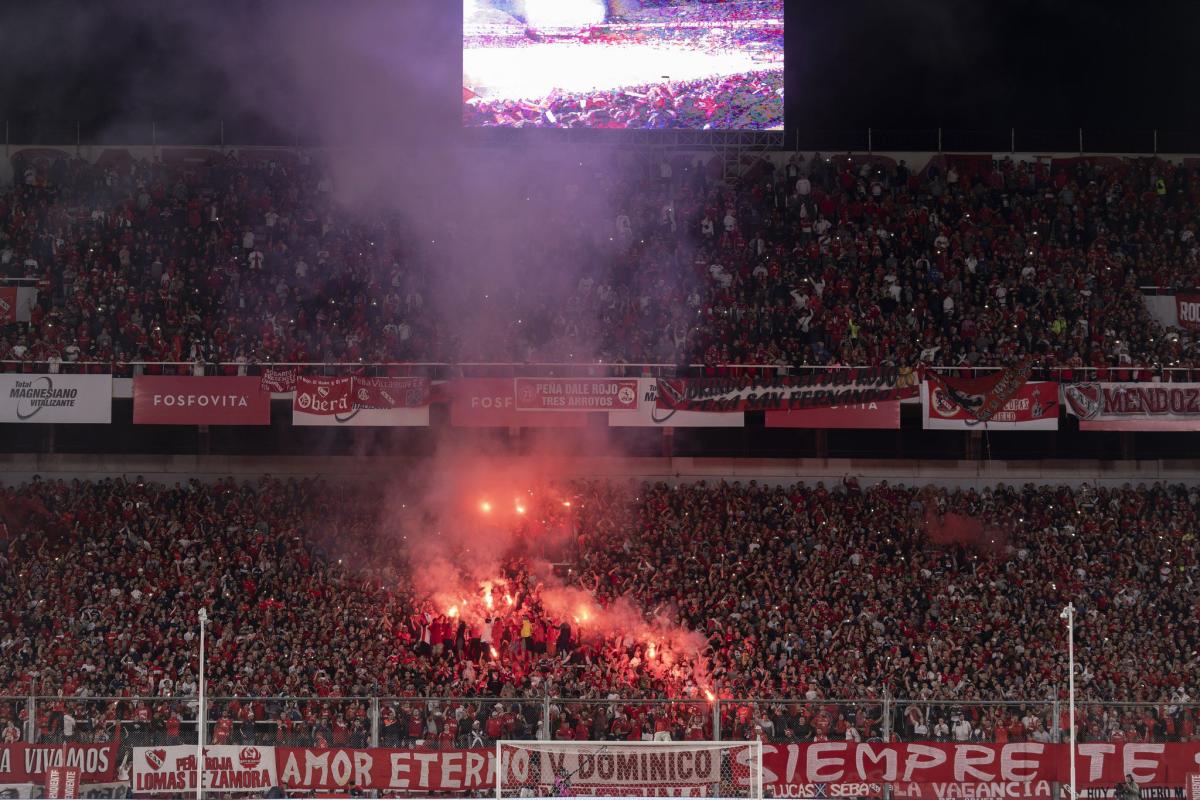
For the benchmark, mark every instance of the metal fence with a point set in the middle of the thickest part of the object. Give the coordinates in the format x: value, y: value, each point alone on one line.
x: 447, y: 370
x: 243, y: 133
x: 455, y: 722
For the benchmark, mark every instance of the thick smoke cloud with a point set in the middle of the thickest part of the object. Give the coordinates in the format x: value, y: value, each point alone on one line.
x: 505, y: 233
x: 469, y: 519
x: 502, y: 235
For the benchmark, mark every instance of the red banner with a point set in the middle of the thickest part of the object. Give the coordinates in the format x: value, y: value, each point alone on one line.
x: 325, y: 769
x: 379, y: 402
x: 576, y: 394
x: 788, y: 768
x: 323, y: 396
x: 8, y: 305
x: 278, y: 380
x: 62, y: 782
x: 881, y: 415
x: 390, y: 392
x: 984, y: 397
x: 179, y: 400
x: 927, y: 769
x: 1187, y: 311
x: 492, y: 403
x: 31, y: 763
x: 1033, y: 407
x: 1134, y: 406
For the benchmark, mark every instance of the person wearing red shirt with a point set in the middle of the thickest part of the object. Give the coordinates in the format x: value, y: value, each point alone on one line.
x: 340, y: 732
x: 495, y: 725
x: 821, y: 723
x: 415, y: 727
x: 583, y: 728
x: 620, y: 727
x: 508, y: 721
x: 222, y: 731
x: 564, y: 730
x: 172, y: 726
x: 446, y: 738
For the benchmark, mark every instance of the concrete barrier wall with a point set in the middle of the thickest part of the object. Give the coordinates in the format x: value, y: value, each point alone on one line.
x: 15, y: 469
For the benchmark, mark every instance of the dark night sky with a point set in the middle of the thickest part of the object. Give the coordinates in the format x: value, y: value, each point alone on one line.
x: 891, y: 65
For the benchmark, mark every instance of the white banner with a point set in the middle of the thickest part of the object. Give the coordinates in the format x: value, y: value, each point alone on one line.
x: 56, y: 398
x: 1034, y: 407
x: 227, y: 768
x: 672, y: 768
x: 331, y: 402
x: 648, y: 415
x: 1134, y: 406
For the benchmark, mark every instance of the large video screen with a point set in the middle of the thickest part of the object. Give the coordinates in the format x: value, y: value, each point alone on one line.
x: 715, y: 65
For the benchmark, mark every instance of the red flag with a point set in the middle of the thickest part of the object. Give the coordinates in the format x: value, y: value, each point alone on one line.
x: 983, y: 397
x: 391, y: 392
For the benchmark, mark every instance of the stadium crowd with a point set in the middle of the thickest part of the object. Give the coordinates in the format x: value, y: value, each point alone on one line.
x: 812, y: 261
x: 749, y: 101
x: 823, y: 261
x: 814, y: 600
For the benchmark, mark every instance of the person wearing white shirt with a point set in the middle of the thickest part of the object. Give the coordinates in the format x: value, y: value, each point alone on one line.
x: 941, y: 731
x: 962, y: 730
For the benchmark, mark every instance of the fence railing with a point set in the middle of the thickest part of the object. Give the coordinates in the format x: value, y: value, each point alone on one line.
x: 1007, y: 139
x: 454, y: 722
x: 1155, y: 291
x: 447, y: 370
